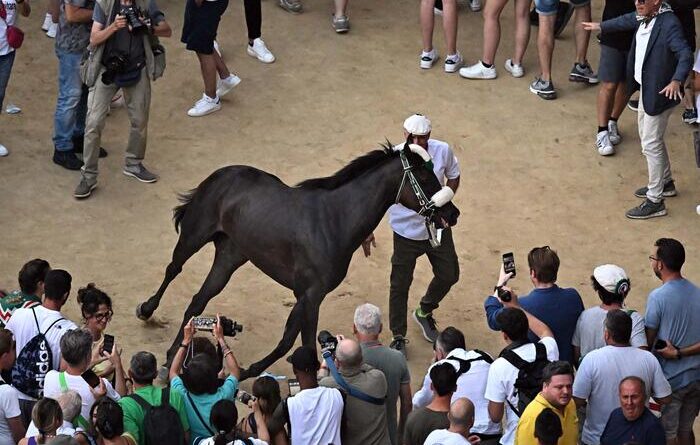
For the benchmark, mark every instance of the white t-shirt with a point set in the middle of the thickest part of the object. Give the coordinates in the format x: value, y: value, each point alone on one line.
x: 598, y: 379
x: 640, y: 51
x: 9, y: 408
x: 23, y: 327
x: 315, y: 415
x: 67, y: 428
x: 11, y: 10
x: 501, y: 383
x: 52, y: 388
x: 444, y: 437
x: 471, y: 385
x: 589, y: 330
x: 210, y: 441
x: 405, y: 221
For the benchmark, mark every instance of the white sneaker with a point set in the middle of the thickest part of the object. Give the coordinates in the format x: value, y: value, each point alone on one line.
x: 478, y: 71
x: 602, y: 142
x: 53, y: 29
x: 437, y: 11
x: 3, y: 151
x: 217, y: 48
x: 223, y: 86
x: 513, y: 69
x: 259, y: 51
x: 475, y: 5
x: 427, y: 60
x: 614, y: 133
x: 205, y: 105
x: 48, y: 20
x: 453, y: 63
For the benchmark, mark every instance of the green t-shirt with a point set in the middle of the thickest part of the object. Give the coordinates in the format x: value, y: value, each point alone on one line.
x: 134, y: 415
x: 15, y: 300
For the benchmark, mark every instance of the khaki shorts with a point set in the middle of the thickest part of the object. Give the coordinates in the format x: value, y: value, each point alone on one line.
x: 678, y: 416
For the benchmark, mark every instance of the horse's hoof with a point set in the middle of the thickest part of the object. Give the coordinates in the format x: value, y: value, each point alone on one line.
x: 140, y: 314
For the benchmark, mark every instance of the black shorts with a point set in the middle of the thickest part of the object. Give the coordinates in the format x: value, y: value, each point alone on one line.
x: 201, y: 24
x: 687, y: 19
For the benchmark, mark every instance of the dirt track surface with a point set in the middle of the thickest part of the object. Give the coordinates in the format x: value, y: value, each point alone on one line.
x: 530, y: 173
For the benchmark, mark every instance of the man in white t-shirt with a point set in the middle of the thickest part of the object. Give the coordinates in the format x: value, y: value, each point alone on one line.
x: 500, y: 386
x: 461, y: 418
x: 450, y: 347
x: 26, y: 323
x: 411, y: 241
x: 76, y: 354
x: 600, y: 373
x: 11, y: 427
x: 612, y: 286
x: 314, y: 414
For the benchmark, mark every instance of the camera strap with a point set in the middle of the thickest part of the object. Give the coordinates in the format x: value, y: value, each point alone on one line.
x: 349, y: 390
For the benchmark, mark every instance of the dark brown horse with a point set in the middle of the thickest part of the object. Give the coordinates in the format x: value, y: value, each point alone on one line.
x: 302, y: 237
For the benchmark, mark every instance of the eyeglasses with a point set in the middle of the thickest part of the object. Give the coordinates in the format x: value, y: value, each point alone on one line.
x: 653, y: 258
x: 100, y: 316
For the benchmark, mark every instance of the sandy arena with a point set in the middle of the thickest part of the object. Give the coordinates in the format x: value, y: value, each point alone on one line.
x: 530, y: 173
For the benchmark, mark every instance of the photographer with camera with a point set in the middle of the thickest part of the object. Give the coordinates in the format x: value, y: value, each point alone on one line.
x: 124, y: 53
x: 365, y: 391
x: 198, y: 384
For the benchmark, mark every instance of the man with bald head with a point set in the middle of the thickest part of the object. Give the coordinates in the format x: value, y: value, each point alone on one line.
x: 461, y: 417
x: 365, y: 422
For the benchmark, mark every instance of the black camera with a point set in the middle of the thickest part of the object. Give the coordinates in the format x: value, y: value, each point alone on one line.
x: 503, y: 294
x: 116, y: 63
x: 244, y: 397
x: 133, y: 18
x: 207, y: 324
x: 327, y: 342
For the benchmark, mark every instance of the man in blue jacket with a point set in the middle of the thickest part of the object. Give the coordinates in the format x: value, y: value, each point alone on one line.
x: 658, y: 63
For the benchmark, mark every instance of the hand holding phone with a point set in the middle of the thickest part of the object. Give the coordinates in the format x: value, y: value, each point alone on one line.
x: 509, y: 264
x: 108, y: 343
x: 91, y: 378
x: 660, y: 344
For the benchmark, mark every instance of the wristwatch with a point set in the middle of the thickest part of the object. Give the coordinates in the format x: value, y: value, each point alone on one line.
x: 678, y: 351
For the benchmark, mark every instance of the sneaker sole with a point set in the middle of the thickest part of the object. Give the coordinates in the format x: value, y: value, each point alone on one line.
x: 213, y: 110
x: 85, y: 195
x: 128, y: 173
x: 652, y: 215
x: 489, y: 77
x: 582, y: 79
x: 428, y: 65
x: 664, y: 194
x: 341, y: 31
x: 516, y: 75
x: 450, y: 69
x: 690, y: 121
x: 293, y: 11
x: 609, y: 152
x: 252, y: 53
x: 546, y: 95
x: 632, y: 108
x: 420, y: 325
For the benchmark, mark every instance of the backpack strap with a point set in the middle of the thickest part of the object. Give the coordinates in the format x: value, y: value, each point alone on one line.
x: 514, y: 359
x: 484, y: 356
x: 540, y: 352
x: 140, y: 400
x: 347, y: 388
x: 50, y: 326
x: 199, y: 415
x: 165, y: 396
x: 79, y: 420
x: 285, y: 411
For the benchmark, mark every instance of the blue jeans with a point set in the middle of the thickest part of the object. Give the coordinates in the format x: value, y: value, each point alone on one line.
x: 6, y: 62
x: 71, y: 106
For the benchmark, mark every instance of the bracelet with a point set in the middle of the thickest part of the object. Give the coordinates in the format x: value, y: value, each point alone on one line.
x: 227, y: 353
x: 184, y: 345
x: 678, y: 351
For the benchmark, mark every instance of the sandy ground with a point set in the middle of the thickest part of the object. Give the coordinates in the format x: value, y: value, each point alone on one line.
x: 530, y: 173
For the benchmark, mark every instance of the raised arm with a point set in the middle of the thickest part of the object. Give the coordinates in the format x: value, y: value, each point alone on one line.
x: 179, y: 359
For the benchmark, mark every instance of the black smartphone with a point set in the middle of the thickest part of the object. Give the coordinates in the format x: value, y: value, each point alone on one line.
x: 509, y: 263
x: 108, y: 343
x: 91, y: 378
x: 660, y: 344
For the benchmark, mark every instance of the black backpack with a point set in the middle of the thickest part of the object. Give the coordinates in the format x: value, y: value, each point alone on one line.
x: 529, y: 381
x: 34, y: 361
x: 161, y: 424
x: 466, y: 364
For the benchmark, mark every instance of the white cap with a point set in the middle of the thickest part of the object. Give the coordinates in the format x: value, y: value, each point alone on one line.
x: 610, y: 277
x: 417, y: 124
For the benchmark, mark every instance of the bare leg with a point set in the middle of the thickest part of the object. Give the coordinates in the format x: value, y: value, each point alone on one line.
x: 621, y: 98
x: 427, y: 23
x: 606, y: 96
x: 221, y: 67
x: 522, y: 29
x: 208, y: 66
x: 492, y: 29
x: 545, y: 45
x: 340, y: 7
x: 449, y: 24
x: 689, y: 95
x: 582, y: 14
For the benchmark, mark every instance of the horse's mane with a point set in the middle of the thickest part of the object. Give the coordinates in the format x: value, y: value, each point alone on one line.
x: 355, y: 168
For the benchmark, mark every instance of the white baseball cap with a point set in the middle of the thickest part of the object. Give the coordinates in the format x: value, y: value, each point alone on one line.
x: 417, y: 124
x: 611, y: 277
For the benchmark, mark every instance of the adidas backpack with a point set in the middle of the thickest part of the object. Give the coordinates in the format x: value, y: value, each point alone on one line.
x: 33, y: 363
x: 529, y: 381
x: 161, y: 423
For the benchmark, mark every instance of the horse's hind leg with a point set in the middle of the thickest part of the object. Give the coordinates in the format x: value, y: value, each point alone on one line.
x: 226, y: 260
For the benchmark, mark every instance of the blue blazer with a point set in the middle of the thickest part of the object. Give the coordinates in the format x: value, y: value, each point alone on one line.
x: 668, y: 57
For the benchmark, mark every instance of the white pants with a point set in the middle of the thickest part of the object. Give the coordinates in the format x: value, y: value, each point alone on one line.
x: 651, y: 136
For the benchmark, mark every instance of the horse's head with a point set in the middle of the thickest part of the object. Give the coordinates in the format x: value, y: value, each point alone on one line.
x: 422, y: 192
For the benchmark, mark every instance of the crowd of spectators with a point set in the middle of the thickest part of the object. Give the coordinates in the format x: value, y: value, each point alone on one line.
x: 605, y: 375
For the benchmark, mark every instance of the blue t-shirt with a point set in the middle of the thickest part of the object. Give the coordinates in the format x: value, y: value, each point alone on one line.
x: 204, y: 404
x: 647, y: 430
x: 558, y: 308
x: 674, y: 310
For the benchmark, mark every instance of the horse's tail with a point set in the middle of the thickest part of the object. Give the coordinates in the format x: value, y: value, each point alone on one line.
x: 179, y: 211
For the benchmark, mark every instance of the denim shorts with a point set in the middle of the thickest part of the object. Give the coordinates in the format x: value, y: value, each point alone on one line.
x: 550, y: 7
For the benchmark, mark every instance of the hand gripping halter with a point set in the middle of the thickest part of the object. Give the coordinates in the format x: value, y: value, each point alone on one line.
x: 427, y: 206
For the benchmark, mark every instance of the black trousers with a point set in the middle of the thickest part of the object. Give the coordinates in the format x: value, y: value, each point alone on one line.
x: 445, y: 265
x: 253, y: 18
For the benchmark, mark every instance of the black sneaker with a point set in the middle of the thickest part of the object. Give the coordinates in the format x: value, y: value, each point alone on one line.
x: 67, y: 160
x: 690, y: 116
x: 669, y: 191
x: 633, y: 104
x: 399, y: 344
x: 427, y: 325
x: 78, y: 144
x: 647, y: 209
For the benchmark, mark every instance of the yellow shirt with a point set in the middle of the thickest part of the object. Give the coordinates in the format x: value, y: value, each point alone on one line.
x: 525, y: 434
